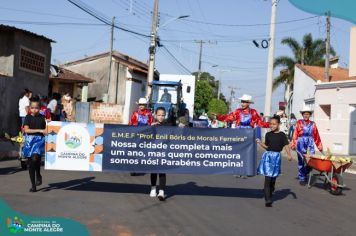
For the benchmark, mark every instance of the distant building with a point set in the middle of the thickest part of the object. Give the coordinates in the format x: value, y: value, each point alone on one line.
x: 24, y: 63
x: 334, y: 102
x: 63, y: 81
x: 127, y: 80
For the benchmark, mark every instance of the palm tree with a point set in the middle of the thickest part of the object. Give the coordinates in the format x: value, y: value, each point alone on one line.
x: 309, y: 52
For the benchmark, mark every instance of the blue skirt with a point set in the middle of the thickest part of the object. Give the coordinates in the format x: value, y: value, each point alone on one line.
x: 34, y: 144
x: 270, y: 164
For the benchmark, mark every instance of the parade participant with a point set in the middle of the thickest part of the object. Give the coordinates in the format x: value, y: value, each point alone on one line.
x: 160, y: 121
x: 244, y: 117
x: 45, y: 112
x: 270, y: 164
x: 24, y: 103
x: 33, y: 149
x: 67, y: 103
x: 142, y: 116
x: 53, y: 107
x: 304, y: 137
x: 284, y: 123
x: 292, y: 123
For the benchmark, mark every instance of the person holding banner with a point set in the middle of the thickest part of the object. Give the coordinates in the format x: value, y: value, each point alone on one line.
x: 33, y: 149
x: 244, y: 117
x: 160, y: 121
x: 141, y: 117
x: 305, y: 136
x: 270, y: 164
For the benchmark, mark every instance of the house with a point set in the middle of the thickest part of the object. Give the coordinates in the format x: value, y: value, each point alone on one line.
x: 128, y: 78
x: 63, y: 81
x: 335, y: 114
x: 306, y: 78
x: 333, y: 101
x: 24, y: 63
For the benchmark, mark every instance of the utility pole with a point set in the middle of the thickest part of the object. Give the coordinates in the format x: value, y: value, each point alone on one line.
x: 220, y: 71
x: 152, y: 49
x: 201, y: 42
x: 219, y: 88
x: 110, y: 57
x: 327, y: 47
x: 232, y: 95
x: 268, y: 100
x: 200, y: 56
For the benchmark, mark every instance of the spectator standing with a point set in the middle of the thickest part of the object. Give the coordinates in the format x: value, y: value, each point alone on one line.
x: 24, y: 104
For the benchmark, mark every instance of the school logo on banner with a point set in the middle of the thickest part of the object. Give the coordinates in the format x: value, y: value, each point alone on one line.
x: 15, y: 223
x: 72, y: 140
x: 74, y: 146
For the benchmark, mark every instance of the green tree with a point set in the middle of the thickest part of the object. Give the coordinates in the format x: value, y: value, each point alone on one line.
x: 308, y: 52
x: 217, y: 106
x: 203, y: 95
x: 201, y: 91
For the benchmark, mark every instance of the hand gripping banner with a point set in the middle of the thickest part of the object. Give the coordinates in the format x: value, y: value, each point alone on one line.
x: 150, y: 149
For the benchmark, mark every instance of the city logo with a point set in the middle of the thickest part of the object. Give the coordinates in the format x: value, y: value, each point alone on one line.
x: 15, y: 225
x: 72, y: 140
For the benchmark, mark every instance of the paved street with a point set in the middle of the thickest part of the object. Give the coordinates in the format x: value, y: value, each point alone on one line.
x: 117, y: 204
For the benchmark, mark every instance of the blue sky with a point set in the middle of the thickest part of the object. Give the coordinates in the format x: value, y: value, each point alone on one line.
x: 229, y: 47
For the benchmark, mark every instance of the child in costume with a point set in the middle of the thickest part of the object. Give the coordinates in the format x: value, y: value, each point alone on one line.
x: 305, y: 136
x: 141, y: 117
x: 244, y: 117
x: 270, y: 164
x: 33, y: 149
x: 160, y: 121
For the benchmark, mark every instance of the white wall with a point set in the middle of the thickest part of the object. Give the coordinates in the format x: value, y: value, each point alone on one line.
x: 304, y: 88
x: 336, y: 131
x: 186, y: 80
x: 134, y: 91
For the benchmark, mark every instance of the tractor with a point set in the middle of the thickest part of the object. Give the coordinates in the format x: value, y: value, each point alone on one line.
x: 168, y: 94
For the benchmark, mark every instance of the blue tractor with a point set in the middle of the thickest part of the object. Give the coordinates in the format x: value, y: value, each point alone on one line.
x: 167, y: 94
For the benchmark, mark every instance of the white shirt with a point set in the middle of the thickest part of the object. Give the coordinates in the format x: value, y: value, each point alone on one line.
x: 23, y: 103
x: 52, y: 105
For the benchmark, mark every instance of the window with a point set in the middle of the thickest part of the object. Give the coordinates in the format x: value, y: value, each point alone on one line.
x: 32, y: 61
x: 188, y: 89
x: 326, y: 111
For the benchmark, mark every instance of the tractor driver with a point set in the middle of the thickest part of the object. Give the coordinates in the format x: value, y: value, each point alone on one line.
x: 166, y: 97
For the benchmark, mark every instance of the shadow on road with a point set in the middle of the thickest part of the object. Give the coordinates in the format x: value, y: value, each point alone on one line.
x: 283, y: 193
x: 68, y: 184
x: 10, y: 170
x: 189, y: 188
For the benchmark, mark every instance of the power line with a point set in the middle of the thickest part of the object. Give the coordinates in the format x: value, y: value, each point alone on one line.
x: 41, y: 13
x: 185, y: 68
x: 249, y: 25
x: 244, y: 25
x: 51, y: 23
x: 165, y: 53
x: 101, y: 18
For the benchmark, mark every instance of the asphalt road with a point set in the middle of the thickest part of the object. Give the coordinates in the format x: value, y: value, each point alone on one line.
x: 118, y: 204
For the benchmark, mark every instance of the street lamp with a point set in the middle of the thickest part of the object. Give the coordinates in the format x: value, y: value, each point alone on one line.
x: 219, y: 78
x: 153, y: 44
x: 171, y: 20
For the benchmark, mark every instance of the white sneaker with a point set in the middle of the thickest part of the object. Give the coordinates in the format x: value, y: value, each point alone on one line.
x: 161, y: 195
x: 153, y: 192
